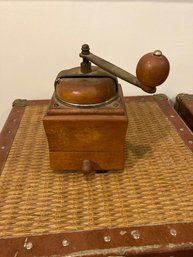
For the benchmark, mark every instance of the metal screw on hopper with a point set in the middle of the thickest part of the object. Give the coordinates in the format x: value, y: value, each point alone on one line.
x: 56, y: 105
x: 135, y: 234
x: 173, y: 232
x: 107, y: 238
x: 65, y: 242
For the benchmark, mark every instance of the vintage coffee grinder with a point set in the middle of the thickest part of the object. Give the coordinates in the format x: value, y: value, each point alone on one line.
x: 86, y: 121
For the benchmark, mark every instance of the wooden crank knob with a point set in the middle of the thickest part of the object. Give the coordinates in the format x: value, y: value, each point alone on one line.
x: 152, y: 69
x: 87, y: 166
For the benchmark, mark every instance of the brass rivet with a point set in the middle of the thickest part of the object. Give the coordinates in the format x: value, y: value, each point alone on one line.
x: 115, y: 105
x: 190, y: 142
x: 135, y: 234
x: 181, y: 129
x: 107, y: 238
x: 173, y: 232
x: 65, y: 242
x: 28, y: 245
x: 2, y: 147
x: 172, y: 116
x: 123, y: 232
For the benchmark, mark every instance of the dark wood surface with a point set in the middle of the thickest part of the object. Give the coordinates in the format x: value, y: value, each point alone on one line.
x: 184, y: 107
x: 161, y: 240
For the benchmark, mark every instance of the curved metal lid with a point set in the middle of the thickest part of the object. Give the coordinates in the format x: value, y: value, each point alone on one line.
x: 75, y: 88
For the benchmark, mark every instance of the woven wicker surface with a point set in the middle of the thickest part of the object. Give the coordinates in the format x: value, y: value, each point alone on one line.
x: 155, y: 187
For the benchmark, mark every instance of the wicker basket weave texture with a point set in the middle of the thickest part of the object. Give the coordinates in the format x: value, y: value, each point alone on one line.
x: 155, y: 187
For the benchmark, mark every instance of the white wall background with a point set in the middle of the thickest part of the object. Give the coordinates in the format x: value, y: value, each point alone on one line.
x: 40, y: 38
